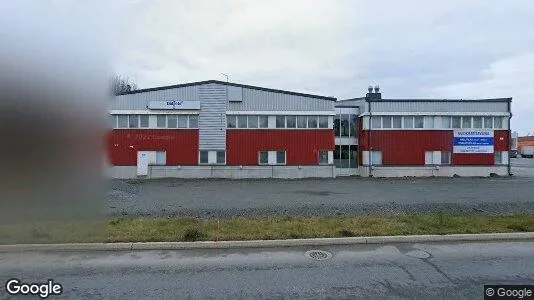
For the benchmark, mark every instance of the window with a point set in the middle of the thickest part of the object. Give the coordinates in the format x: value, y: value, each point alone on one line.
x: 446, y: 122
x: 143, y: 119
x: 231, y: 121
x: 477, y: 122
x: 323, y: 121
x: 337, y: 125
x: 301, y: 121
x: 252, y: 121
x: 345, y: 156
x: 376, y: 157
x: 161, y: 158
x: 352, y: 124
x: 264, y: 157
x: 312, y: 121
x: 221, y: 157
x: 323, y: 157
x: 353, y: 152
x: 408, y: 121
x: 112, y: 121
x: 429, y: 157
x: 397, y: 122
x: 122, y: 121
x: 182, y: 121
x: 419, y: 122
x: 133, y: 121
x: 497, y: 122
x: 488, y: 122
x: 172, y: 121
x: 203, y: 159
x: 161, y: 121
x: 376, y: 122
x: 280, y: 157
x: 241, y: 121
x: 193, y: 121
x: 345, y: 125
x: 456, y: 122
x: 429, y: 122
x: 264, y: 121
x: 291, y: 121
x: 445, y: 158
x: 386, y: 122
x: 466, y: 122
x: 501, y: 157
x: 280, y: 122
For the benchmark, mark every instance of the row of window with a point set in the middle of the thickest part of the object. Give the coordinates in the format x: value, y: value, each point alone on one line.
x: 437, y: 157
x: 261, y: 121
x: 218, y: 157
x: 162, y: 121
x: 345, y: 125
x: 430, y: 122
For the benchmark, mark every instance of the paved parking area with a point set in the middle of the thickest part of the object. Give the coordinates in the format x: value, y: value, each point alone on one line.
x: 323, y: 197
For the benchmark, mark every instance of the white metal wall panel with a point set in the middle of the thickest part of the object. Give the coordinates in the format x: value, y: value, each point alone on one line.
x: 257, y: 100
x: 212, y: 117
x: 437, y: 106
x: 140, y: 100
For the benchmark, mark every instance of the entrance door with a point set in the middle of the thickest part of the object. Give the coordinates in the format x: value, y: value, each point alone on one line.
x: 142, y: 163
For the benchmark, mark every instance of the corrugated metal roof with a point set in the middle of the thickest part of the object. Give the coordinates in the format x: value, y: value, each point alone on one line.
x: 230, y: 84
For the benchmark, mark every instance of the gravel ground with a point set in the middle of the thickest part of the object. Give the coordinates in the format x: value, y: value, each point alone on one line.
x: 324, y: 197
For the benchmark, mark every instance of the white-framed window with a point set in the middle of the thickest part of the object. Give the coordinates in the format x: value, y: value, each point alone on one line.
x: 437, y: 158
x: 122, y: 121
x: 263, y: 157
x: 241, y: 121
x: 446, y: 122
x: 182, y: 121
x: 408, y: 121
x: 323, y: 157
x: 280, y: 121
x: 252, y: 121
x: 429, y: 157
x: 323, y: 121
x: 477, y: 122
x: 203, y: 157
x: 429, y: 122
x: 312, y: 121
x: 264, y: 121
x: 143, y: 121
x: 488, y: 122
x: 376, y: 158
x: 386, y: 122
x: 220, y: 157
x: 193, y: 121
x: 376, y: 122
x: 466, y: 122
x: 445, y: 157
x: 172, y: 121
x: 419, y: 122
x: 161, y: 158
x: 501, y: 157
x: 231, y: 121
x: 301, y: 121
x: 291, y: 121
x: 133, y: 121
x: 280, y: 157
x: 397, y: 121
x: 113, y: 121
x: 161, y: 121
x: 497, y: 122
x: 456, y: 122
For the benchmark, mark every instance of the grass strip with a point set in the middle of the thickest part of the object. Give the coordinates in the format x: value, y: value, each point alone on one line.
x: 166, y: 229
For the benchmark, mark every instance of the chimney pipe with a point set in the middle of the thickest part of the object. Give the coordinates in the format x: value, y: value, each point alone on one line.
x: 377, y: 89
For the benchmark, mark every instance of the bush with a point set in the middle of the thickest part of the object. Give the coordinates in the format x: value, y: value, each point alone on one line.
x: 192, y: 234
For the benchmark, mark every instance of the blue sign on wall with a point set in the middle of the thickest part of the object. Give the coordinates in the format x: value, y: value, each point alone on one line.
x: 473, y: 141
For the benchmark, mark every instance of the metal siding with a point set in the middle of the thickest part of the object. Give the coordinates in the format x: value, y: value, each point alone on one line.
x: 437, y: 106
x: 181, y: 145
x: 501, y: 140
x: 212, y: 117
x: 301, y: 146
x: 140, y: 100
x: 258, y: 100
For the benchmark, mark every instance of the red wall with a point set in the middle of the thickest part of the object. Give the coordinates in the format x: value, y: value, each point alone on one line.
x: 407, y: 147
x: 301, y: 146
x: 181, y: 145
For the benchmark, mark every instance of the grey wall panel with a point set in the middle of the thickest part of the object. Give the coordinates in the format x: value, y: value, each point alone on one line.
x: 212, y: 118
x: 257, y: 100
x: 439, y: 106
x: 140, y: 100
x: 359, y: 102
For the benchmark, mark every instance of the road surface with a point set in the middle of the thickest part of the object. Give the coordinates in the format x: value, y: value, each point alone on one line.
x: 405, y: 271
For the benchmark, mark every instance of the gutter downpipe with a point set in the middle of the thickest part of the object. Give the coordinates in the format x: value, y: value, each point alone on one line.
x: 370, y: 144
x: 509, y: 136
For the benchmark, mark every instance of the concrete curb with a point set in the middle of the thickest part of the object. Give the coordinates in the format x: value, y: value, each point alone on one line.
x: 267, y: 243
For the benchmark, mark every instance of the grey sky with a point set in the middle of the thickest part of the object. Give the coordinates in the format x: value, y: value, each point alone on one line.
x: 454, y: 49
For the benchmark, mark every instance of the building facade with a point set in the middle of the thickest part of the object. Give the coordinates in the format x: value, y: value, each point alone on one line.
x: 226, y: 130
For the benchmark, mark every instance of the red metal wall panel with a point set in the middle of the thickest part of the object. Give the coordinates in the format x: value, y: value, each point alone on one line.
x: 407, y: 147
x: 181, y: 145
x: 301, y: 146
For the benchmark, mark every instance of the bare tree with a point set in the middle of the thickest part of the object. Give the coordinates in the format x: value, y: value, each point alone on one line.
x: 121, y: 85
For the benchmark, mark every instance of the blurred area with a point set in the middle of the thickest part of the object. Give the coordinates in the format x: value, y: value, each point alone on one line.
x: 54, y: 88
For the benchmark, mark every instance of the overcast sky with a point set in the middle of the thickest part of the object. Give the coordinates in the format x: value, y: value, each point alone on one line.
x: 442, y: 49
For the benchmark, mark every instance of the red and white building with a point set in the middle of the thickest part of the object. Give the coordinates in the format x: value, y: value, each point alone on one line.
x: 225, y: 130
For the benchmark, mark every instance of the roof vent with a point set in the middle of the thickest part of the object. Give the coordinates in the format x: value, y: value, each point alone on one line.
x: 377, y: 89
x: 370, y: 89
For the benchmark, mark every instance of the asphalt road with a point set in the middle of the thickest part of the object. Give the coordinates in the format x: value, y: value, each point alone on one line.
x: 323, y: 197
x: 405, y: 271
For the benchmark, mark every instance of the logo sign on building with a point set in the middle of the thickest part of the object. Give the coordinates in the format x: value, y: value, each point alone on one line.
x: 473, y: 141
x: 174, y: 104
